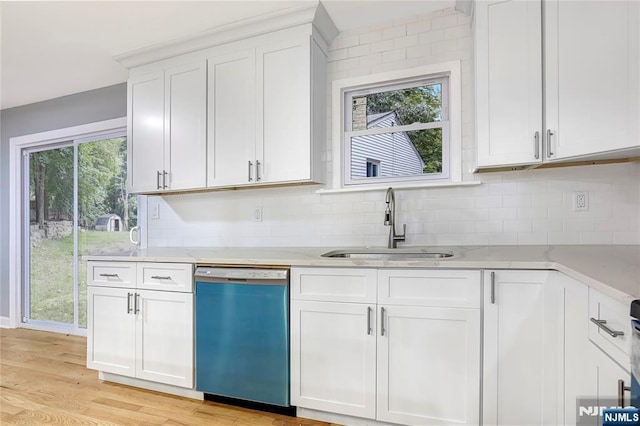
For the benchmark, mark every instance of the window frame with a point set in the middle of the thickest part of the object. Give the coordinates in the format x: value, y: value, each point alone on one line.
x: 341, y: 113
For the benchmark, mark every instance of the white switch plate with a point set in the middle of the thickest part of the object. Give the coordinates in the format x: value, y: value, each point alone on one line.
x: 257, y: 214
x: 580, y: 201
x: 154, y: 211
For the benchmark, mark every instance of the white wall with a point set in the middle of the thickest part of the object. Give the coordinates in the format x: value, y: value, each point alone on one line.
x: 525, y: 207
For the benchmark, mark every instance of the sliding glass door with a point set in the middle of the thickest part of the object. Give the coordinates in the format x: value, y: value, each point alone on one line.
x: 76, y: 196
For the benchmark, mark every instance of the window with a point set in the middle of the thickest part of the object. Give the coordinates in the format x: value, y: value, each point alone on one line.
x: 408, y: 121
x: 373, y: 168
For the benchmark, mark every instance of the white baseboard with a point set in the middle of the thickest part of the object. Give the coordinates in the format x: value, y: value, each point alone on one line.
x: 5, y: 322
x: 145, y: 384
x: 339, y: 418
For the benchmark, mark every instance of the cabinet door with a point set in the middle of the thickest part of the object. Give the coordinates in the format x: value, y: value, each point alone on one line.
x: 428, y: 365
x: 186, y: 126
x: 508, y: 82
x: 520, y: 348
x: 592, y: 90
x: 164, y: 345
x: 609, y: 373
x: 111, y: 330
x: 283, y: 115
x: 145, y: 131
x: 575, y: 358
x: 333, y: 357
x: 232, y: 104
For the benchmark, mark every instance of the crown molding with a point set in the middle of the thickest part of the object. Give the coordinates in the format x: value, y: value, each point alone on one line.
x: 313, y: 13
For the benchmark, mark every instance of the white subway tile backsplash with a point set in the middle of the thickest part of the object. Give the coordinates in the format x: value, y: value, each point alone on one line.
x: 394, y: 32
x: 382, y: 46
x: 520, y: 207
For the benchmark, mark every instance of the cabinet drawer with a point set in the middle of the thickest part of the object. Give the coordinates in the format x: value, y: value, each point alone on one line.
x: 334, y: 284
x: 439, y: 288
x: 616, y: 315
x: 111, y: 274
x: 165, y: 276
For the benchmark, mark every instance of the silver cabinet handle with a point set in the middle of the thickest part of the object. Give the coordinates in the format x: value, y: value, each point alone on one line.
x: 382, y: 321
x: 258, y: 178
x: 549, y: 134
x: 136, y: 304
x: 493, y: 288
x: 602, y: 324
x: 536, y: 141
x: 369, y: 329
x: 109, y: 275
x: 158, y: 179
x: 250, y: 167
x: 158, y: 277
x: 164, y: 179
x: 129, y: 303
x: 621, y: 389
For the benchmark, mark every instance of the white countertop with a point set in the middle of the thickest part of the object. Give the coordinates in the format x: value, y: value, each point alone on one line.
x: 613, y: 270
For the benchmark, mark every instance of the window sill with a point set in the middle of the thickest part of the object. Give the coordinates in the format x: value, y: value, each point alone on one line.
x: 364, y: 188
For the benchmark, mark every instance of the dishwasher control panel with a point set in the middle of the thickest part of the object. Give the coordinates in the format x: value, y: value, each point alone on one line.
x: 241, y: 274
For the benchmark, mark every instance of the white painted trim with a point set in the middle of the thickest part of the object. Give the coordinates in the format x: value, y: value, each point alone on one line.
x: 383, y: 187
x: 309, y: 13
x: 5, y: 322
x: 16, y: 145
x: 154, y: 386
x: 339, y: 87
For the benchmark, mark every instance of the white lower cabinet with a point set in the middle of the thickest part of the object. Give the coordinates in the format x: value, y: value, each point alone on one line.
x: 333, y: 362
x: 145, y: 334
x: 413, y: 365
x: 521, y: 347
x: 428, y: 365
x: 111, y: 331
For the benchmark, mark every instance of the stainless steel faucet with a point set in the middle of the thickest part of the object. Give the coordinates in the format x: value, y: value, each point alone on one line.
x: 390, y: 220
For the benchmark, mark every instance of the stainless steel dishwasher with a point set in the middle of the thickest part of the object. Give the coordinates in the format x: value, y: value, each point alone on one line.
x: 242, y: 336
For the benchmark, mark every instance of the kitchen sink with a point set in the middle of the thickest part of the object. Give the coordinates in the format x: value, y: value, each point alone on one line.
x: 383, y: 253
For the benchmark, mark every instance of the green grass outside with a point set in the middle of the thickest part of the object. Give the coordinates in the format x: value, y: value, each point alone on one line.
x: 52, y: 273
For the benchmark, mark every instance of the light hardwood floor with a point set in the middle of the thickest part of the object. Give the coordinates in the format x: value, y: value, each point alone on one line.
x: 44, y: 381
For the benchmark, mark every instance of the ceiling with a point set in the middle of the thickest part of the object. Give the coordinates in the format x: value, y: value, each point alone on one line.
x: 56, y: 48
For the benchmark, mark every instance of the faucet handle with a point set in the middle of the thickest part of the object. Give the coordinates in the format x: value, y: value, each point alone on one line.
x: 401, y: 237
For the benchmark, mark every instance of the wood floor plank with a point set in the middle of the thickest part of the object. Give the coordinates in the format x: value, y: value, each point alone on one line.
x: 44, y: 381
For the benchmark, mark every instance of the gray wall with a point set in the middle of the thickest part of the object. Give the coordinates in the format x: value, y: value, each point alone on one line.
x: 73, y: 110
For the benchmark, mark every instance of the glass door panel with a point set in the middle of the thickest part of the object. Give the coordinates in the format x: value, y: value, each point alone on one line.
x: 50, y: 290
x: 106, y: 211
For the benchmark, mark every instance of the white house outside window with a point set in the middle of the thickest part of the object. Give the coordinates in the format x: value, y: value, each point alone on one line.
x: 399, y: 128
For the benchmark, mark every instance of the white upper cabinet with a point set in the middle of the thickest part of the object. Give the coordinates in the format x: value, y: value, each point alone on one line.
x: 185, y: 126
x: 266, y: 110
x: 167, y: 128
x: 232, y: 98
x: 145, y: 128
x: 246, y: 106
x: 590, y: 78
x: 284, y: 111
x: 509, y: 82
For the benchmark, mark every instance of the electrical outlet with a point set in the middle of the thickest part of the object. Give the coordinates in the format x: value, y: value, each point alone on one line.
x: 257, y: 214
x: 580, y: 201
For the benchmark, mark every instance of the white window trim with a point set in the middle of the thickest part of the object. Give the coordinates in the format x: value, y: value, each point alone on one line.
x: 339, y: 87
x: 16, y: 146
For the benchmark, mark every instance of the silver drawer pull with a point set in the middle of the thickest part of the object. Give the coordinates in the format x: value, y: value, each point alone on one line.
x: 158, y: 277
x: 602, y: 324
x: 621, y: 390
x: 109, y: 275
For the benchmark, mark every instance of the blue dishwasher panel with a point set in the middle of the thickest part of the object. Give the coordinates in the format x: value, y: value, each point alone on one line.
x: 242, y: 341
